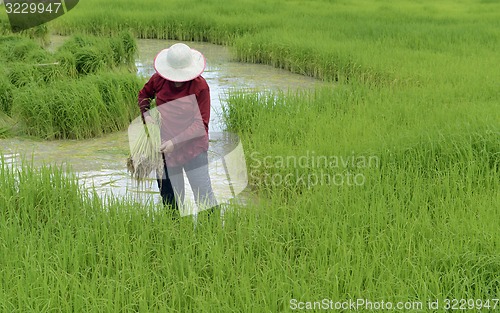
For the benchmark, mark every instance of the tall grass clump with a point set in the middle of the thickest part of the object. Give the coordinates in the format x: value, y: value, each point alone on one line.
x: 93, y: 54
x: 6, y: 89
x: 19, y: 49
x: 47, y: 89
x: 16, y: 48
x: 25, y: 61
x: 6, y: 125
x: 76, y: 109
x: 126, y: 49
x: 90, y: 60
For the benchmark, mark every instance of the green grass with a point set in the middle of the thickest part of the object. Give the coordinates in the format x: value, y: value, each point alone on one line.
x: 77, y: 109
x: 324, y: 38
x: 93, y: 54
x: 83, y: 90
x: 416, y: 231
x: 39, y: 33
x: 427, y: 142
x: 414, y: 86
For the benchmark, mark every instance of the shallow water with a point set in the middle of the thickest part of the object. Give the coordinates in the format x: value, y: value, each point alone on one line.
x: 101, y: 162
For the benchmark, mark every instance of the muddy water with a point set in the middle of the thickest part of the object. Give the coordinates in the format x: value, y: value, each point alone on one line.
x: 101, y: 162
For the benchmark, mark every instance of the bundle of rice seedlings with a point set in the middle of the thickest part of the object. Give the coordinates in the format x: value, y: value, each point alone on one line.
x: 130, y: 47
x: 145, y: 141
x: 67, y: 62
x: 21, y: 74
x: 90, y: 60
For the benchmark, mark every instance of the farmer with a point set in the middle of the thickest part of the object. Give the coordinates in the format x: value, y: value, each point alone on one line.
x: 183, y: 101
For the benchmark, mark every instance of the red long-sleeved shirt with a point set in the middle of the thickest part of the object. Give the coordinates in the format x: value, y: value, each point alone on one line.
x: 185, y: 113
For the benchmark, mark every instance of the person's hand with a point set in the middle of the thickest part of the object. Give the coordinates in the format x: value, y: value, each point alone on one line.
x: 167, y: 146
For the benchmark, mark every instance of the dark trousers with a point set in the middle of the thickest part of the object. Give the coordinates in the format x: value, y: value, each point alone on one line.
x: 172, y: 184
x: 166, y: 190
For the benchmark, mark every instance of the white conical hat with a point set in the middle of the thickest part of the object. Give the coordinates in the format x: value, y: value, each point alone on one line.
x: 179, y: 63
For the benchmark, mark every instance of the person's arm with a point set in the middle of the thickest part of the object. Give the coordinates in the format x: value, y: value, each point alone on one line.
x: 146, y: 94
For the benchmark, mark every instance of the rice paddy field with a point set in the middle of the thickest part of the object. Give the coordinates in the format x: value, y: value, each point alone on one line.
x: 381, y: 188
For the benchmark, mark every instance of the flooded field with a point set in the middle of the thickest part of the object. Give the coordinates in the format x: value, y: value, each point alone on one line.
x: 101, y: 162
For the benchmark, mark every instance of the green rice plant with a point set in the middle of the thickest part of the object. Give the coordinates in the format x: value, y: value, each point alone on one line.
x: 46, y: 68
x: 42, y: 70
x: 38, y: 56
x: 118, y: 49
x: 35, y: 196
x: 78, y: 41
x: 75, y: 109
x: 6, y: 125
x: 7, y: 41
x: 90, y: 60
x: 124, y: 51
x: 51, y: 72
x: 374, y: 242
x: 115, y: 89
x: 44, y: 208
x: 26, y: 62
x: 93, y: 54
x: 67, y: 62
x: 4, y: 26
x: 440, y: 35
x: 33, y: 109
x: 6, y: 89
x: 129, y: 43
x: 21, y: 50
x: 259, y: 118
x: 21, y: 74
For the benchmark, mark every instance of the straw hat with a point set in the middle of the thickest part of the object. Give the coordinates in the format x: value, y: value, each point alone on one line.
x: 179, y: 63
